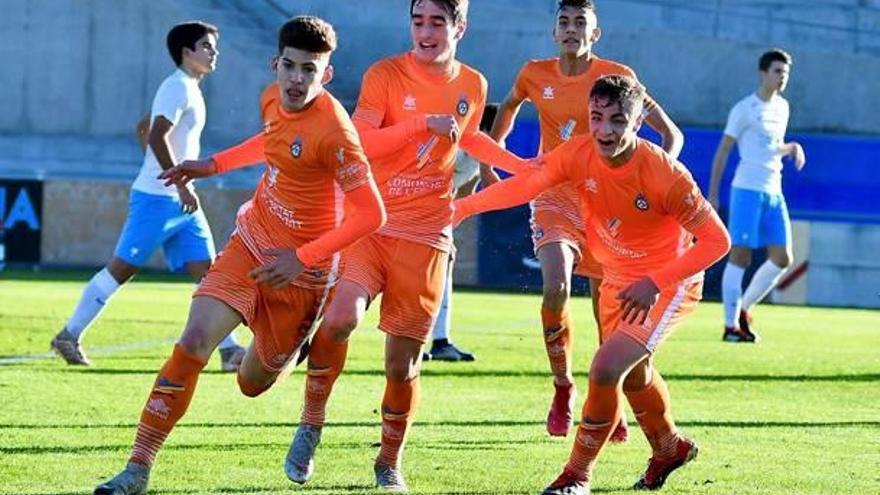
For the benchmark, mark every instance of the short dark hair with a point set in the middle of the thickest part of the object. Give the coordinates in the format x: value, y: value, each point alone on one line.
x: 185, y: 35
x: 618, y: 89
x: 488, y: 119
x: 455, y: 9
x: 308, y: 33
x: 774, y: 55
x: 577, y: 4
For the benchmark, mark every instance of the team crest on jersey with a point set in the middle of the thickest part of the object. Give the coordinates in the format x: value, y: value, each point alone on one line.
x: 641, y: 202
x: 463, y: 106
x: 296, y: 149
x: 549, y: 93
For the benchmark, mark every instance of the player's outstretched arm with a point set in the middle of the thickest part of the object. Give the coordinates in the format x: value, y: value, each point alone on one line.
x: 485, y: 150
x: 505, y: 194
x: 718, y: 165
x: 249, y: 152
x: 672, y: 139
x: 367, y: 215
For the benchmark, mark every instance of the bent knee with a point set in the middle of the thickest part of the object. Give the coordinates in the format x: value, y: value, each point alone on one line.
x: 339, y: 326
x: 604, y: 375
x: 197, y: 340
x: 556, y: 296
x: 402, y: 371
x: 251, y: 388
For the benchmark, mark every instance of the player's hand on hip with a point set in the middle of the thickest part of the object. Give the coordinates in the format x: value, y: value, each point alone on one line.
x: 797, y: 153
x: 281, y: 271
x: 183, y: 173
x: 637, y: 299
x: 444, y: 126
x: 189, y: 200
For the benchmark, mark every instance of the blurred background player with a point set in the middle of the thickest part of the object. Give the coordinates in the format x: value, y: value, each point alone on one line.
x: 414, y: 112
x: 758, y: 214
x: 464, y: 182
x: 160, y: 215
x: 278, y: 268
x: 644, y: 212
x: 558, y: 87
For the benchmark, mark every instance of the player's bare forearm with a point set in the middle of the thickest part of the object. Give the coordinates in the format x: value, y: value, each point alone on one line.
x: 507, y: 112
x: 672, y: 139
x: 719, y: 162
x: 158, y: 141
x: 142, y: 132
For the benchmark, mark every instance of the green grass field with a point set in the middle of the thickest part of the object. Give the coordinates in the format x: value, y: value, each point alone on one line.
x: 797, y: 414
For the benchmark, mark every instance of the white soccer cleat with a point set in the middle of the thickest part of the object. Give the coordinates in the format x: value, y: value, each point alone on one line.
x: 390, y: 478
x: 300, y: 462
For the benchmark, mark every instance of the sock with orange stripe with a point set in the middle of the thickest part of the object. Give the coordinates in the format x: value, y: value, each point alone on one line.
x: 652, y: 409
x: 168, y: 401
x: 600, y: 414
x: 326, y: 360
x: 558, y: 341
x: 398, y: 410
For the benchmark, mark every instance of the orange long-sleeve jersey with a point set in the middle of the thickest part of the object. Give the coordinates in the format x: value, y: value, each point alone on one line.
x: 562, y: 103
x: 414, y: 167
x: 315, y: 161
x: 641, y: 218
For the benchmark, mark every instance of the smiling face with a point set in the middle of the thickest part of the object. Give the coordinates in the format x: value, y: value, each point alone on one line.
x: 301, y: 76
x: 576, y: 31
x: 435, y: 33
x: 613, y: 125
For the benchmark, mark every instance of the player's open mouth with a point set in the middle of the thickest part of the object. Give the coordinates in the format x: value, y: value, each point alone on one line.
x: 427, y: 46
x: 607, y: 143
x: 295, y: 94
x: 571, y: 41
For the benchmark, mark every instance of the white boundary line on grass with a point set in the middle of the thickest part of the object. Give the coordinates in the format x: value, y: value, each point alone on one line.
x: 98, y: 351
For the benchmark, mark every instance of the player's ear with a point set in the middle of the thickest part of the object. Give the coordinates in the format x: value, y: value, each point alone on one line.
x: 597, y: 33
x: 328, y: 75
x: 460, y: 28
x: 273, y: 64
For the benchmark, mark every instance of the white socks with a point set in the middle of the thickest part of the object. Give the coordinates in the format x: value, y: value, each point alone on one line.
x: 762, y: 283
x: 229, y: 341
x: 98, y: 291
x: 441, y: 326
x: 731, y: 293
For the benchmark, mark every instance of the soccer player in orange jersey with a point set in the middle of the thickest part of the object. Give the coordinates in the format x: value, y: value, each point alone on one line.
x: 557, y: 87
x: 642, y: 211
x: 414, y: 112
x: 278, y: 268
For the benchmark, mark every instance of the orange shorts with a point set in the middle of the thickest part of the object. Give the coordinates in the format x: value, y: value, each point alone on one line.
x: 411, y: 277
x: 280, y: 319
x: 549, y: 227
x: 675, y: 303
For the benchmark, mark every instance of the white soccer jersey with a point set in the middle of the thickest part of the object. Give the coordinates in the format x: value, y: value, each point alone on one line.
x: 179, y: 99
x: 466, y: 168
x: 759, y: 129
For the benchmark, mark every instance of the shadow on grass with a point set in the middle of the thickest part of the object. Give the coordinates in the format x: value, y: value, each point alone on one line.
x: 464, y: 373
x: 244, y: 489
x: 428, y: 424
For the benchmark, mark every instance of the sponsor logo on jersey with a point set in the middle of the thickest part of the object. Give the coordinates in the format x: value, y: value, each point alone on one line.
x: 549, y: 93
x: 409, y: 102
x: 567, y: 129
x: 591, y: 185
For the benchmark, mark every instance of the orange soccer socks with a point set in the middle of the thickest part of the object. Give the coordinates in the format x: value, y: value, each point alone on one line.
x: 601, y: 413
x: 326, y: 360
x: 398, y: 410
x: 652, y: 409
x: 558, y: 340
x: 168, y: 401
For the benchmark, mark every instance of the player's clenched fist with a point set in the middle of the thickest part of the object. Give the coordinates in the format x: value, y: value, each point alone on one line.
x: 444, y: 126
